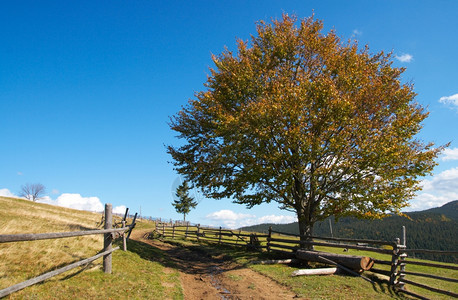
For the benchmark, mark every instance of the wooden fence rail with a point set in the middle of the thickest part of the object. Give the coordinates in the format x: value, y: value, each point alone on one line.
x: 7, y: 238
x: 283, y: 242
x: 43, y: 277
x: 218, y: 235
x: 402, y: 281
x: 109, y: 235
x: 398, y: 261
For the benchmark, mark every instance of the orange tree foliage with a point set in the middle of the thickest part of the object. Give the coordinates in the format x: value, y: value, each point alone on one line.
x: 299, y: 117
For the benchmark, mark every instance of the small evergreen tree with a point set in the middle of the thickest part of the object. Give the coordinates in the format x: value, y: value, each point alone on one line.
x: 184, y: 202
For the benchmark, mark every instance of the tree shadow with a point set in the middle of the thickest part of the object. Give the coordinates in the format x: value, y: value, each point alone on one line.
x: 190, y: 259
x: 202, y: 259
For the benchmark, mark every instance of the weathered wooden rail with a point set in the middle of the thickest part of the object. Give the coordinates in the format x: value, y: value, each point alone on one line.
x: 288, y: 244
x: 109, y: 233
x: 217, y: 235
x: 396, y: 249
x: 402, y: 281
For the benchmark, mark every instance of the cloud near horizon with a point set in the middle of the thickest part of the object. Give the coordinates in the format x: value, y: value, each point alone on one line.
x: 75, y: 201
x: 440, y: 189
x: 231, y: 219
x: 7, y: 193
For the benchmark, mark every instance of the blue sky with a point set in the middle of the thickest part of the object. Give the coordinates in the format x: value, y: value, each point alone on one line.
x: 87, y: 88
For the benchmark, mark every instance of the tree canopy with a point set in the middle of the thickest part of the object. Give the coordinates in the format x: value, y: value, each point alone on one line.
x: 302, y: 118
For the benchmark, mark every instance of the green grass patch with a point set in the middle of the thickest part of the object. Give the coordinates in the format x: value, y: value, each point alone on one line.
x: 330, y: 286
x: 135, y: 275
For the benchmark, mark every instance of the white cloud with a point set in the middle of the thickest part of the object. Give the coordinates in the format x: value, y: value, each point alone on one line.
x: 119, y: 209
x: 231, y: 219
x: 427, y: 200
x: 450, y: 100
x: 47, y: 200
x: 446, y: 181
x: 450, y: 154
x: 7, y: 193
x: 356, y: 33
x: 437, y: 191
x: 76, y: 201
x: 405, y: 58
x: 277, y: 219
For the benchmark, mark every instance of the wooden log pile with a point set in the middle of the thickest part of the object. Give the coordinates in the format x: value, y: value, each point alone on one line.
x: 353, y: 262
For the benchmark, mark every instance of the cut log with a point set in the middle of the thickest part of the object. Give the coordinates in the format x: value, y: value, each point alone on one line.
x: 322, y: 271
x: 275, y: 261
x: 357, y: 263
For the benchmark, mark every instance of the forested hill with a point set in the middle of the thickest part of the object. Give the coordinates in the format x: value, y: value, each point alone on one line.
x: 435, y: 228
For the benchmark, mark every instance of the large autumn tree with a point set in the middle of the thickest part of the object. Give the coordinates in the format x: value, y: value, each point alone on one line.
x: 300, y: 117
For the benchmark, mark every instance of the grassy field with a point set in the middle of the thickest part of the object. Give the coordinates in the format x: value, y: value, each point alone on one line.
x: 140, y: 272
x: 347, y: 287
x: 134, y: 276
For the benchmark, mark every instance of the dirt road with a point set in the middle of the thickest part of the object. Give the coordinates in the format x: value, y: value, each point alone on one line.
x: 205, y: 276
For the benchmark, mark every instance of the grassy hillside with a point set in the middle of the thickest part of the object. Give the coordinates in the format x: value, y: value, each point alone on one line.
x: 142, y: 272
x: 24, y: 260
x: 434, y: 229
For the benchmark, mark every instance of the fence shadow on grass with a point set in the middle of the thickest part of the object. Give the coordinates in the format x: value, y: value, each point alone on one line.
x: 148, y: 252
x: 195, y: 259
x: 383, y: 286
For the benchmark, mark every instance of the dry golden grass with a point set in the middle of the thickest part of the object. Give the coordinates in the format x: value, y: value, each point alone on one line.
x: 23, y: 260
x: 135, y: 273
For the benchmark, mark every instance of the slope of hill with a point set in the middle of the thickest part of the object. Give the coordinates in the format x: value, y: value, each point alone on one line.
x: 435, y: 229
x: 450, y: 210
x: 20, y: 261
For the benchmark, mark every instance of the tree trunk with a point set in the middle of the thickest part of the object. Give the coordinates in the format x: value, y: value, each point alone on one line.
x: 305, y: 229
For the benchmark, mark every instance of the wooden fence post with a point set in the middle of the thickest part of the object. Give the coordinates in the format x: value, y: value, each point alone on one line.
x: 219, y: 241
x: 402, y: 262
x: 124, y: 242
x: 163, y: 229
x: 398, y: 260
x: 198, y: 232
x: 173, y: 231
x: 394, y: 262
x: 107, y: 238
x: 268, y: 238
x: 125, y: 215
x: 132, y: 226
x: 404, y: 235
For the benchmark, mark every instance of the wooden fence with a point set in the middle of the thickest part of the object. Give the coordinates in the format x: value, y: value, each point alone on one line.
x: 109, y: 233
x: 287, y: 243
x: 401, y: 274
x: 216, y: 235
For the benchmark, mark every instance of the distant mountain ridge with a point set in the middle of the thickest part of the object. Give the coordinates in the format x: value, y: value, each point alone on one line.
x: 435, y: 229
x: 450, y: 210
